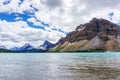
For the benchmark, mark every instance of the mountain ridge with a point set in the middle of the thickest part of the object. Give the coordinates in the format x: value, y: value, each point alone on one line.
x: 97, y: 34
x: 29, y: 48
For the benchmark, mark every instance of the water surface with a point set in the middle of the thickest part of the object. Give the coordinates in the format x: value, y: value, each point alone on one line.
x: 72, y: 66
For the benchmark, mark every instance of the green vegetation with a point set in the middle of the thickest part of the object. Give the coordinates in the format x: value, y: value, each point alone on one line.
x: 6, y: 51
x: 93, y: 50
x: 10, y: 51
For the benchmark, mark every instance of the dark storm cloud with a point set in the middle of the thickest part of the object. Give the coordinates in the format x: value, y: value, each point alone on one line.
x: 52, y: 3
x: 101, y: 3
x: 92, y: 6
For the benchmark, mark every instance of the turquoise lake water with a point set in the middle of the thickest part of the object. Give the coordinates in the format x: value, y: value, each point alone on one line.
x: 58, y: 66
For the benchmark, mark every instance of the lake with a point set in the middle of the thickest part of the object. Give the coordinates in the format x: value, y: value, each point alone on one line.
x: 58, y: 66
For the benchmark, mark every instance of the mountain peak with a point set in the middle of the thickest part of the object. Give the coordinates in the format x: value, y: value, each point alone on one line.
x: 46, y: 45
x: 98, y: 20
x: 95, y: 19
x: 96, y: 35
x: 100, y: 27
x: 27, y: 44
x: 46, y: 42
x: 27, y: 47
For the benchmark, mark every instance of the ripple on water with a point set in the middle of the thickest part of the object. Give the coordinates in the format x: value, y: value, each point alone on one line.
x: 60, y: 66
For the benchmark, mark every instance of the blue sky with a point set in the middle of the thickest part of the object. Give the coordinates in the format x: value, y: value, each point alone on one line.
x: 34, y: 21
x: 13, y: 17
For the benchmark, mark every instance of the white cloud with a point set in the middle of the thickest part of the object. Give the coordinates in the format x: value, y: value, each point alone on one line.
x: 63, y: 14
x: 66, y: 14
x: 34, y: 21
x: 18, y: 33
x: 74, y: 12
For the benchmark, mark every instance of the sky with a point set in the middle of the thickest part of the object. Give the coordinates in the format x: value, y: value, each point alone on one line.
x: 34, y: 21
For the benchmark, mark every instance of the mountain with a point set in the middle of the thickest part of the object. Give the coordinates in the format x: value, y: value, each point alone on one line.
x: 96, y: 35
x: 46, y: 45
x: 27, y: 47
x: 15, y: 48
x: 24, y: 48
x: 2, y: 47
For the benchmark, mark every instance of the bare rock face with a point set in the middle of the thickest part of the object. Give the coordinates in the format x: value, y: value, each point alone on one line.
x: 99, y: 34
x: 112, y: 44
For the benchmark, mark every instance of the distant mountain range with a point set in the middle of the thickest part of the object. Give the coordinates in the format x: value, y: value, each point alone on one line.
x: 96, y: 35
x: 4, y: 49
x: 24, y: 48
x: 29, y: 48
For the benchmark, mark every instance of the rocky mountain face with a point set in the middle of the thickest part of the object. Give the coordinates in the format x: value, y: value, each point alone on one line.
x: 98, y: 34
